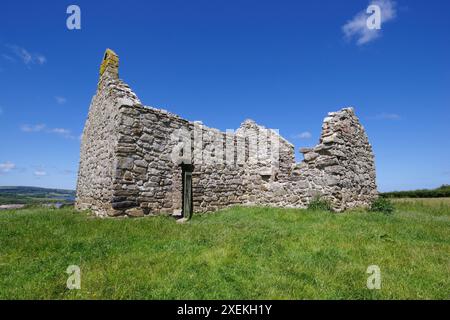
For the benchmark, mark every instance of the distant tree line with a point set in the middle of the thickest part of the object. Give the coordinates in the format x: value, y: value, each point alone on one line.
x: 441, y: 192
x: 33, y: 195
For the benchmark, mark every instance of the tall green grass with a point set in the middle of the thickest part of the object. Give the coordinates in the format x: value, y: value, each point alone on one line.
x: 239, y: 253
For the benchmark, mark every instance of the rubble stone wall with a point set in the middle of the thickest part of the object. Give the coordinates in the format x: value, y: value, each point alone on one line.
x: 131, y: 157
x: 149, y: 174
x: 95, y: 183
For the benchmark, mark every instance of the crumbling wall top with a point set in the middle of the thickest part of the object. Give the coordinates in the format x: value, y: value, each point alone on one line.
x: 110, y: 64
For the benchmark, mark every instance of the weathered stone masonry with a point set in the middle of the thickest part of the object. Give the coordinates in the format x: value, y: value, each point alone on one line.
x: 127, y: 167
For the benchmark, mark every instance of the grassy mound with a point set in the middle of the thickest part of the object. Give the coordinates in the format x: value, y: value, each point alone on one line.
x: 239, y: 253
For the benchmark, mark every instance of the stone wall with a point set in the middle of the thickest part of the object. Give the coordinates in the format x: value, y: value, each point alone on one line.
x: 131, y: 156
x: 96, y: 169
x: 342, y: 165
x: 148, y: 175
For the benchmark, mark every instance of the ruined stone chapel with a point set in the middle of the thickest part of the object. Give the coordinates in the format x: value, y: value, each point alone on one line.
x: 137, y: 160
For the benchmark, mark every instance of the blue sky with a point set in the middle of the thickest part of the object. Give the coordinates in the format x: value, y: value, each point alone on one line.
x: 283, y: 63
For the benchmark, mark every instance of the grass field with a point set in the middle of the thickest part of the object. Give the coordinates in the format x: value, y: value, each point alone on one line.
x: 239, y: 253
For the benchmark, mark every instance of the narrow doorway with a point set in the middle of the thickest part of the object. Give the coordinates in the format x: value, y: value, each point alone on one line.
x: 187, y: 190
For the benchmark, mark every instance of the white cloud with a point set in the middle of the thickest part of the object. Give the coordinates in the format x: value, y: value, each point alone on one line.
x: 60, y: 100
x: 357, y: 27
x: 60, y: 131
x: 68, y: 172
x: 6, y: 167
x: 8, y: 57
x: 303, y: 135
x: 386, y: 116
x: 40, y: 59
x: 25, y: 56
x: 40, y: 173
x: 66, y: 133
x: 32, y: 128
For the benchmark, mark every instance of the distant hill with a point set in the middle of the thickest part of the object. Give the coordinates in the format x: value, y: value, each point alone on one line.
x: 34, y: 195
x: 441, y: 192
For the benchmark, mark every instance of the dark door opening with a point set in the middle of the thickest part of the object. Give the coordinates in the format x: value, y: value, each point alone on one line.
x: 187, y: 190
